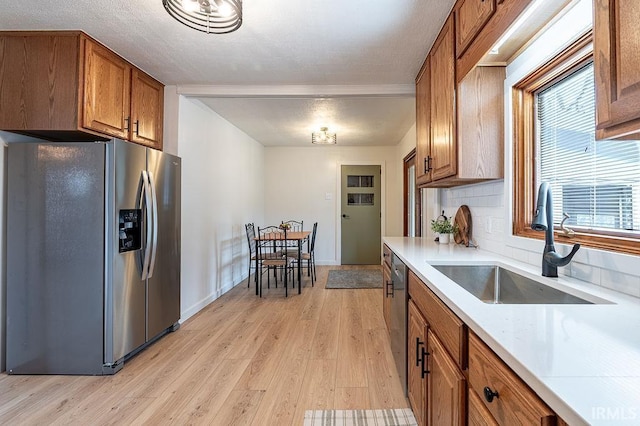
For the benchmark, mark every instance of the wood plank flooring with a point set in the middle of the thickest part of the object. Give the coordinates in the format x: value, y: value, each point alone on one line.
x: 240, y: 361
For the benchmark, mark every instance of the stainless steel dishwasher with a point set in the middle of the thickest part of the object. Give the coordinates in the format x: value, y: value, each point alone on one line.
x: 398, y: 316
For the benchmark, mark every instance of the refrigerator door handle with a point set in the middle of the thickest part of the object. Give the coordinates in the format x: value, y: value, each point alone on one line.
x: 148, y: 208
x: 154, y: 200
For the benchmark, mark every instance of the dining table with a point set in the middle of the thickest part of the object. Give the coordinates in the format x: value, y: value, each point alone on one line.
x: 298, y: 237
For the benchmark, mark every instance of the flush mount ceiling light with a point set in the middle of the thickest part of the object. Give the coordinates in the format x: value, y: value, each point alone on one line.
x: 323, y: 137
x: 208, y: 16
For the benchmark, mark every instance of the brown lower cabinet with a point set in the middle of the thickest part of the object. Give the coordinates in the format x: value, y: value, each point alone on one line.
x: 477, y: 413
x: 454, y: 378
x: 436, y: 385
x: 509, y: 400
x: 416, y: 359
x: 446, y: 393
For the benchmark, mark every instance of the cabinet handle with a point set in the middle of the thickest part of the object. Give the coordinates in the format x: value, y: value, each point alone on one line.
x: 426, y: 165
x: 137, y: 123
x: 126, y: 120
x: 418, y: 344
x: 423, y: 360
x: 390, y: 284
x: 489, y: 394
x: 429, y: 167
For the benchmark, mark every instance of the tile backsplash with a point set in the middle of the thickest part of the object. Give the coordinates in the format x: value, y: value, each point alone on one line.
x: 489, y: 206
x: 486, y: 202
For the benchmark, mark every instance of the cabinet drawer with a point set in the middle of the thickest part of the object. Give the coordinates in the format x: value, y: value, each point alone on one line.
x: 516, y: 403
x: 449, y: 328
x: 478, y: 413
x: 386, y: 255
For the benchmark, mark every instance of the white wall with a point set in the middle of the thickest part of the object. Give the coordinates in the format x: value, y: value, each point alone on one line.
x: 490, y: 203
x: 298, y: 182
x: 222, y: 189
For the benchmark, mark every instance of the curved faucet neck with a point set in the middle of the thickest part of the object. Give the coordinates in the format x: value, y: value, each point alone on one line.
x: 548, y: 236
x: 550, y: 259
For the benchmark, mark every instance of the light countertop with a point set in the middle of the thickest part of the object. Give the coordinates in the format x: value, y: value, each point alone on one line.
x: 582, y: 360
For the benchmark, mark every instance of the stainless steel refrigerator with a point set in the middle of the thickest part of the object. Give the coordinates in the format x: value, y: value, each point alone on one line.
x: 93, y: 254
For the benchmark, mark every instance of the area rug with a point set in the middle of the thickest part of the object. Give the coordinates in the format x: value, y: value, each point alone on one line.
x: 392, y: 417
x: 354, y: 278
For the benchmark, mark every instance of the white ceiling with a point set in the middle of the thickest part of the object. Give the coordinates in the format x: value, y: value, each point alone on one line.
x: 375, y: 44
x: 290, y: 121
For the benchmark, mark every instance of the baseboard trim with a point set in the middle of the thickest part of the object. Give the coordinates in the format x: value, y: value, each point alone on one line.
x: 203, y: 303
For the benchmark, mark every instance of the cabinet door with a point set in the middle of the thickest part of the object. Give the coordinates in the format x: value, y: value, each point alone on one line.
x: 423, y: 117
x: 416, y: 357
x: 386, y: 295
x: 147, y: 100
x: 106, y: 97
x: 446, y: 387
x: 616, y: 59
x: 443, y: 119
x: 471, y: 16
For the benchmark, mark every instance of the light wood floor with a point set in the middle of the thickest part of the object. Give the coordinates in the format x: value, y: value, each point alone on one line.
x: 242, y: 360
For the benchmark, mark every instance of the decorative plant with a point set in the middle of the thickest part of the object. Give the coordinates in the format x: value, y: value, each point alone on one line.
x: 443, y: 226
x: 286, y: 226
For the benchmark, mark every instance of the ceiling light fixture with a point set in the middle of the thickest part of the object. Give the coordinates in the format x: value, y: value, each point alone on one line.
x: 208, y: 16
x: 323, y: 137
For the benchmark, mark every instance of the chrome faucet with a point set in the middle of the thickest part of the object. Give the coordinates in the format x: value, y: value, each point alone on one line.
x: 543, y: 221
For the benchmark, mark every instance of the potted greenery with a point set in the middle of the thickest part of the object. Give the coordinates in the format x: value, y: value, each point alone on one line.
x: 444, y: 228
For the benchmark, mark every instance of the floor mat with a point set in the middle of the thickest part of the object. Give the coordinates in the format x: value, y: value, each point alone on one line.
x: 354, y: 278
x: 391, y: 417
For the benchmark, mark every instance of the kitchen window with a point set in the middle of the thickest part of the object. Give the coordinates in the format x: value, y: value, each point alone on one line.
x: 595, y: 183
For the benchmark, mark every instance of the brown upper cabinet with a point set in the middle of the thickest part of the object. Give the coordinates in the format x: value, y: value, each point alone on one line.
x: 616, y: 58
x: 107, y: 91
x: 423, y: 128
x: 443, y: 102
x: 480, y: 24
x: 459, y: 126
x: 471, y: 17
x: 147, y: 103
x: 65, y: 86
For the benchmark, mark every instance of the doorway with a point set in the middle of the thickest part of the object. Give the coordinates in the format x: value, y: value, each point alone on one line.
x: 361, y: 212
x: 412, y: 198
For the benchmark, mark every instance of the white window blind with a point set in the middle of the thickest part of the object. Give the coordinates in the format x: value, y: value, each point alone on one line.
x: 596, y: 182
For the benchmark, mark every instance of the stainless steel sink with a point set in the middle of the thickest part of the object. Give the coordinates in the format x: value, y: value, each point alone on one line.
x: 494, y: 284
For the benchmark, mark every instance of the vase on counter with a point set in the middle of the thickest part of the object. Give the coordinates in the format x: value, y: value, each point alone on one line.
x: 444, y: 238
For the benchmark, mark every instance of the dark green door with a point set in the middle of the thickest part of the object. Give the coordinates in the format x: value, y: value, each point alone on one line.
x: 361, y: 215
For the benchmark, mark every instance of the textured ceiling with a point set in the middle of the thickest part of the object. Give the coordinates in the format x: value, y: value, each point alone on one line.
x: 281, y: 42
x: 290, y: 121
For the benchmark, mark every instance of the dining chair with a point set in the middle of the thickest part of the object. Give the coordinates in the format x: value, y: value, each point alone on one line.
x: 271, y: 258
x: 309, y: 256
x: 253, y: 252
x: 294, y: 225
x: 291, y: 247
